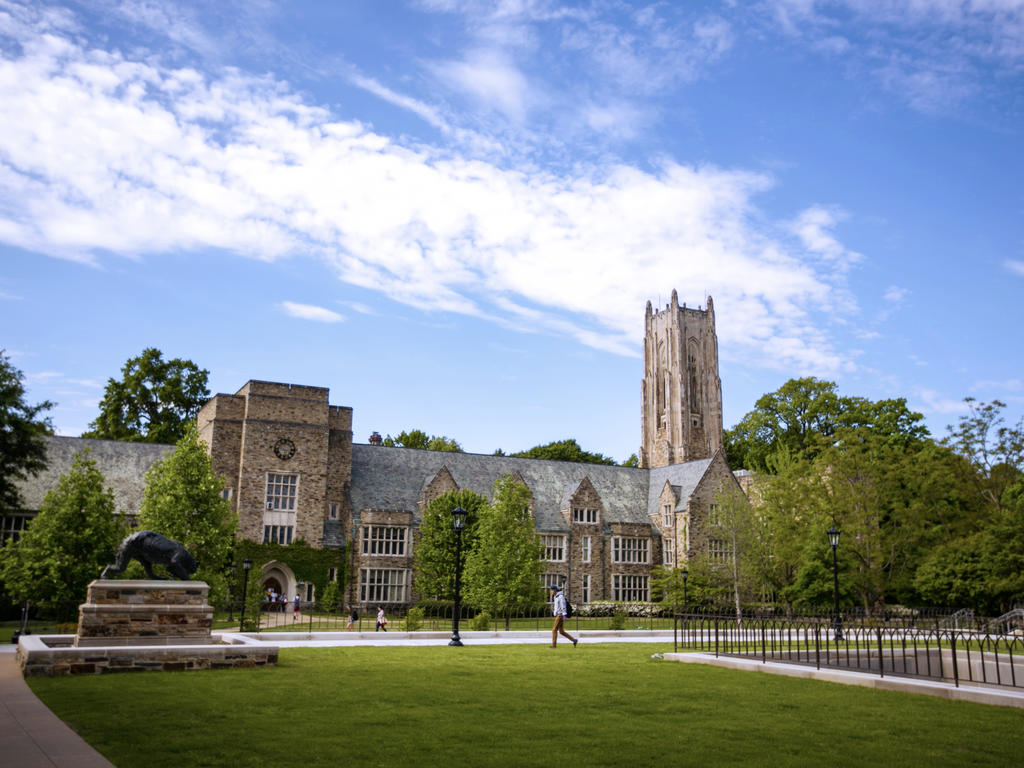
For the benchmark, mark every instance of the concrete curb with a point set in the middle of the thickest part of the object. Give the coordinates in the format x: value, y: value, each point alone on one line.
x: 974, y: 693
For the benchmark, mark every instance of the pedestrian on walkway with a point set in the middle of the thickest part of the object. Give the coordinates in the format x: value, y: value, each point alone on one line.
x: 298, y: 605
x: 558, y: 609
x: 382, y: 623
x: 353, y: 617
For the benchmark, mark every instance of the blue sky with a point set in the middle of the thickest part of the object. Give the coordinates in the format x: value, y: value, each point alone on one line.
x: 452, y: 213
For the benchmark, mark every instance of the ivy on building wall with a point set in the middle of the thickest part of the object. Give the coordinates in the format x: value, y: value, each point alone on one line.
x: 308, y: 564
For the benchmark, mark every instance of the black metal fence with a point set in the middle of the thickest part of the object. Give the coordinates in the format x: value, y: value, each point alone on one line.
x: 312, y: 617
x: 896, y: 647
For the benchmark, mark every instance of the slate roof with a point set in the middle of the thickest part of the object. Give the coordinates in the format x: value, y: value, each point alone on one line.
x: 123, y: 465
x: 393, y: 478
x: 684, y: 478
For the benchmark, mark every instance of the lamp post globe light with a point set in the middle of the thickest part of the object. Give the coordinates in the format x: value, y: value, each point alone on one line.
x: 833, y: 540
x: 246, y: 567
x: 459, y: 516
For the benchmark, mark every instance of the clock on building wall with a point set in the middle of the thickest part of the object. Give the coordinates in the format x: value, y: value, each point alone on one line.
x: 284, y: 449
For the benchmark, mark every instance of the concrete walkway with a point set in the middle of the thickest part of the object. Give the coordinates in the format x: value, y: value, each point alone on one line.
x: 31, y: 736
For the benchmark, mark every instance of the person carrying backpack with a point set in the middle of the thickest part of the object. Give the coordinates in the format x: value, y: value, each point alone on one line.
x: 558, y: 607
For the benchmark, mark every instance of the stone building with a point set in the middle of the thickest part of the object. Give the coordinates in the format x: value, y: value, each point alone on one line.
x: 293, y: 472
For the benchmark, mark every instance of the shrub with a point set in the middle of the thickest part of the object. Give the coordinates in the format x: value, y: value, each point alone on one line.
x: 482, y: 621
x: 619, y: 620
x: 414, y: 619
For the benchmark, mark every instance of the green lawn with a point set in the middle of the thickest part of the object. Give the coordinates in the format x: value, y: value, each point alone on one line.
x: 596, y: 705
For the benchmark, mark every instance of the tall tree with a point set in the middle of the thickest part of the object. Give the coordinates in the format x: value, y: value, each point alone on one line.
x: 994, y: 450
x: 68, y: 543
x: 434, y: 554
x: 563, y: 450
x: 22, y: 449
x: 152, y: 402
x: 802, y: 417
x: 504, y: 569
x: 182, y: 500
x: 417, y: 438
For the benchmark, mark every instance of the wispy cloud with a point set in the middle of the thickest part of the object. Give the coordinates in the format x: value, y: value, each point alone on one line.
x: 894, y: 294
x: 311, y: 312
x: 1016, y: 267
x: 933, y: 54
x: 128, y: 156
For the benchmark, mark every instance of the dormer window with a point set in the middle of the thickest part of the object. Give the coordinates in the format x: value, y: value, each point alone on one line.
x: 584, y: 516
x: 668, y: 517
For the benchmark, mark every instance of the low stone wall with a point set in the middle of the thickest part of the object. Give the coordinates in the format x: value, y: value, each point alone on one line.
x: 54, y: 656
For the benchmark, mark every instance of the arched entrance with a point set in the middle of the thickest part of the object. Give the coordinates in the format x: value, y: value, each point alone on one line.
x: 278, y: 579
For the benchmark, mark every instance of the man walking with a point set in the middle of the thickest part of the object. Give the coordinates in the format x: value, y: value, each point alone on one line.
x: 558, y: 608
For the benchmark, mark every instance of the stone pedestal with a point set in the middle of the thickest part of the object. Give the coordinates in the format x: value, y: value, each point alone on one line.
x: 132, y: 613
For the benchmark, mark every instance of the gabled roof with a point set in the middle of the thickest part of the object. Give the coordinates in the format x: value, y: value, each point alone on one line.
x: 391, y: 478
x: 685, y: 477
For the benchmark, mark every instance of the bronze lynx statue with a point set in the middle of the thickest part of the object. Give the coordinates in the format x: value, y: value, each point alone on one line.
x: 150, y: 548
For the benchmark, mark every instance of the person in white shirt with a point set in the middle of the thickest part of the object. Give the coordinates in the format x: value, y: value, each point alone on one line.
x: 558, y: 608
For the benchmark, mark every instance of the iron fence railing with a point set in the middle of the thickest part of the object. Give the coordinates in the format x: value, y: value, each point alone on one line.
x: 938, y: 652
x: 313, y: 617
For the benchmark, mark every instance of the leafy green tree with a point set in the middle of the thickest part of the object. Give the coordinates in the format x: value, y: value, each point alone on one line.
x: 995, y: 451
x: 802, y: 417
x: 22, y: 449
x: 668, y: 587
x: 632, y: 461
x: 152, y: 402
x: 330, y: 598
x: 68, y: 543
x: 563, y: 450
x: 419, y: 439
x: 504, y: 569
x: 434, y: 553
x: 182, y: 500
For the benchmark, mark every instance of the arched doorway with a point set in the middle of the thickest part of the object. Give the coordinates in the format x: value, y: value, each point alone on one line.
x: 278, y: 578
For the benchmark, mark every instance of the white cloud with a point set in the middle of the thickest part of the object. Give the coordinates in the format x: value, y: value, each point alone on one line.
x: 895, y: 294
x: 492, y: 80
x: 929, y: 401
x: 1017, y: 267
x: 101, y: 154
x: 310, y: 312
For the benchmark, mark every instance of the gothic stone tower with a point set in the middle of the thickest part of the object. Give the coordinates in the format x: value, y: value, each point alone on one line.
x: 682, y: 393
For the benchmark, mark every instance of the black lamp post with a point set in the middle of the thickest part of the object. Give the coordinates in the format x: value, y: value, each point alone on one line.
x: 833, y: 540
x: 231, y: 596
x: 246, y: 567
x: 685, y: 574
x: 458, y: 523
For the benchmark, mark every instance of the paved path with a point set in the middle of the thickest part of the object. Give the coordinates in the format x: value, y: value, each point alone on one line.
x: 31, y: 736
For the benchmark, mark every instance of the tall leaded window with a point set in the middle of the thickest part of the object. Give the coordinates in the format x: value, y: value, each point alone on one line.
x: 668, y: 517
x: 384, y: 540
x: 382, y: 585
x: 281, y: 492
x: 553, y: 579
x: 584, y: 515
x: 554, y: 547
x: 585, y: 596
x: 12, y: 525
x: 668, y: 551
x: 629, y: 588
x: 629, y: 550
x: 719, y: 550
x: 278, y: 534
x: 586, y: 548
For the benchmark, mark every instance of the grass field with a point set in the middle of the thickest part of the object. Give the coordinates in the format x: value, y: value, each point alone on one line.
x: 596, y: 705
